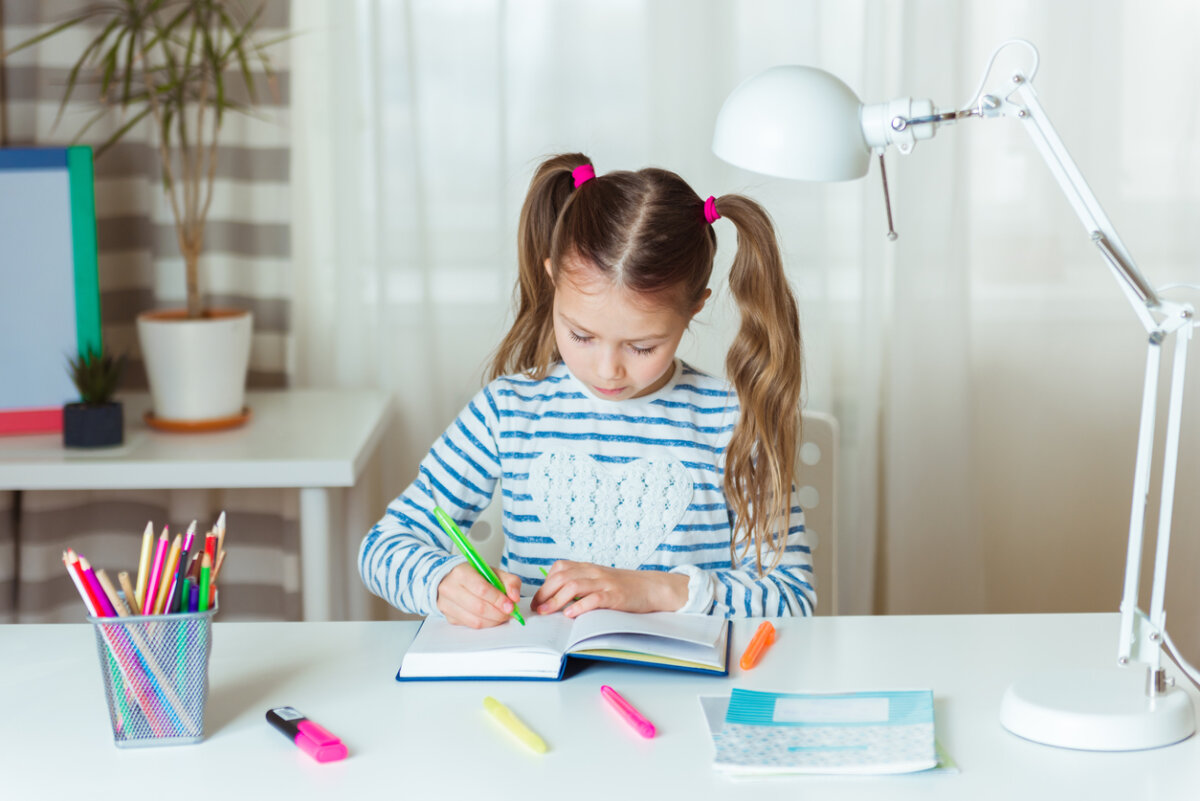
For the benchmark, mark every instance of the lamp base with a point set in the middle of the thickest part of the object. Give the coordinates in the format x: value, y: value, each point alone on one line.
x: 1096, y: 710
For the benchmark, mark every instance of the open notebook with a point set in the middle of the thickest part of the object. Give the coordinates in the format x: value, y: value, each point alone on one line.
x: 539, y: 649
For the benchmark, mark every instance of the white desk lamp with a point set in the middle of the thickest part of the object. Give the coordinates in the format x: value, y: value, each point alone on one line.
x: 801, y: 122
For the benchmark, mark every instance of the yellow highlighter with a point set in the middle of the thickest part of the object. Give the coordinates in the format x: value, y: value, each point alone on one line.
x: 504, y: 716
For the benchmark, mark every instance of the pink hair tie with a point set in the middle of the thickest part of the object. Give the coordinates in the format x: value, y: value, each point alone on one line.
x: 582, y: 174
x: 710, y: 210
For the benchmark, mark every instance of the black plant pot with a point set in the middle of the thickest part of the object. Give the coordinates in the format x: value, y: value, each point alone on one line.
x: 93, y: 425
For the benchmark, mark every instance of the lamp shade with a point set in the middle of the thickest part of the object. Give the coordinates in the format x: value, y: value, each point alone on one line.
x: 793, y: 122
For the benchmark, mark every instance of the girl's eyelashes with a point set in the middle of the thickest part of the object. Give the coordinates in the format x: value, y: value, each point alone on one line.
x: 639, y: 351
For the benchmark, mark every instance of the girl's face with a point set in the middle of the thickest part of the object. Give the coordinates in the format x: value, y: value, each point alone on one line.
x: 610, y: 339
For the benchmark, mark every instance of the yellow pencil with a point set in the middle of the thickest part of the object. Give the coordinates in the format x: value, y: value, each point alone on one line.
x: 130, y: 595
x: 164, y: 586
x: 143, y: 574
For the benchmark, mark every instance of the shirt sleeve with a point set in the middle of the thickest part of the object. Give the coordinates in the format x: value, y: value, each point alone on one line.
x: 406, y: 554
x: 744, y: 591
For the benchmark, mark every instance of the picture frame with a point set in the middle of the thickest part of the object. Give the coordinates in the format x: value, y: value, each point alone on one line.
x: 49, y: 281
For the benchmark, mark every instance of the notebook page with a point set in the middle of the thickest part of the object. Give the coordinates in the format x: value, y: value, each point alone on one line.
x: 697, y: 629
x: 444, y: 649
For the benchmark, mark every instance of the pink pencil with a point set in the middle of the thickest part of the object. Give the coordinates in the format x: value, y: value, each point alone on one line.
x: 160, y: 558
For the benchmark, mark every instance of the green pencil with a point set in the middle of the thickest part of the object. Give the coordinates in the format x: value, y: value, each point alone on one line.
x: 205, y: 570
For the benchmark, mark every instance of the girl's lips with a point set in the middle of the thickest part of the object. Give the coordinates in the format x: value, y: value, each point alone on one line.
x: 604, y: 391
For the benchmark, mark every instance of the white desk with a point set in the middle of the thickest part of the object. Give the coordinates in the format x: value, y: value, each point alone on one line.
x: 315, y: 440
x: 434, y: 741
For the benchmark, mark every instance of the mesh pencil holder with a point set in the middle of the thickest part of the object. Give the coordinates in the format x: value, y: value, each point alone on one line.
x: 155, y: 670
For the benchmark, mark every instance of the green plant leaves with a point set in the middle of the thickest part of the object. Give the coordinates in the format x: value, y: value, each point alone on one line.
x: 96, y: 374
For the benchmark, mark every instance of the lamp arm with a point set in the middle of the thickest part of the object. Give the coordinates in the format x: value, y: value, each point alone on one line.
x: 1023, y: 104
x: 1137, y: 641
x: 1141, y: 636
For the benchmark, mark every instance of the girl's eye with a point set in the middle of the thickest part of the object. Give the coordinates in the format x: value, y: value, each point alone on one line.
x: 644, y: 351
x: 577, y: 337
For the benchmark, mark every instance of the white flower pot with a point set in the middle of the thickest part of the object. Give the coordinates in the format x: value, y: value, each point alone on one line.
x: 196, y: 367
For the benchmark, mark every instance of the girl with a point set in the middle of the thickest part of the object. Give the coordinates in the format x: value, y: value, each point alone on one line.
x: 642, y: 484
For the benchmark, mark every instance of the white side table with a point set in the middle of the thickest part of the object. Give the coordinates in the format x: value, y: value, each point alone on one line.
x: 317, y: 441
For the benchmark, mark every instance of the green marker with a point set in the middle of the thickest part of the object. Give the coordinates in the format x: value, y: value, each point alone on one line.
x: 451, y: 529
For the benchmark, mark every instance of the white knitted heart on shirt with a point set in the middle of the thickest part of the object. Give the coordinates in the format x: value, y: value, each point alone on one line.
x: 614, y: 515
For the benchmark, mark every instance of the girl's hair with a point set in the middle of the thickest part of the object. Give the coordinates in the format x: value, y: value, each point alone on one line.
x: 647, y: 231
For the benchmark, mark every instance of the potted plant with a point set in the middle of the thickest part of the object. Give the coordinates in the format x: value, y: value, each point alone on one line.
x: 169, y: 62
x: 96, y: 420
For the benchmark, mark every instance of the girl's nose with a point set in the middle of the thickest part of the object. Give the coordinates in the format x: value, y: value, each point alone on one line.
x: 610, y: 367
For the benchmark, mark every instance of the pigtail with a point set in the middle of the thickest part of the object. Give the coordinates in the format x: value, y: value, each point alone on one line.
x: 529, y: 346
x: 764, y: 364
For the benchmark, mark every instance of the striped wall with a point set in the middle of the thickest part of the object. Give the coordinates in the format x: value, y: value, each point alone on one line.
x: 246, y: 264
x: 247, y: 237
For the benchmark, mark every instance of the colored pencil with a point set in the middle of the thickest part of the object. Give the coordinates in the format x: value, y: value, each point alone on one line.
x: 72, y: 564
x: 160, y: 556
x: 176, y: 578
x: 220, y: 529
x: 130, y: 594
x: 71, y: 560
x: 193, y: 570
x: 168, y: 571
x: 111, y: 591
x: 89, y: 578
x: 210, y: 547
x: 140, y: 652
x: 143, y: 573
x: 212, y: 580
x: 205, y: 569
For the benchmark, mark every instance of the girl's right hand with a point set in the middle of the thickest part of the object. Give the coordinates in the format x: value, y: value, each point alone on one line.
x: 468, y: 599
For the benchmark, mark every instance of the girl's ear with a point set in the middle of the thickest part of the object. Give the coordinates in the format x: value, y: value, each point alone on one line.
x: 703, y: 299
x: 549, y: 272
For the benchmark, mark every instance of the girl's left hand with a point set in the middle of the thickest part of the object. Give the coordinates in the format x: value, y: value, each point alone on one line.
x: 599, y: 587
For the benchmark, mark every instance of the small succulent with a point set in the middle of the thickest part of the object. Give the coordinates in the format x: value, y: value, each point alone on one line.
x: 95, y: 374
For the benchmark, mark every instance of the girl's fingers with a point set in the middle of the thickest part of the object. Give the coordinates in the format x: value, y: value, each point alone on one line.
x: 472, y: 599
x: 565, y: 593
x: 550, y: 588
x: 473, y: 611
x: 585, y: 604
x: 512, y: 584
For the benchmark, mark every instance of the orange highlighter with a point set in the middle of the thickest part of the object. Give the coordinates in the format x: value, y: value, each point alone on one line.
x: 758, y: 644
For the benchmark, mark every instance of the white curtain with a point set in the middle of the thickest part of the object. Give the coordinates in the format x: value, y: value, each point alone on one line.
x: 983, y: 367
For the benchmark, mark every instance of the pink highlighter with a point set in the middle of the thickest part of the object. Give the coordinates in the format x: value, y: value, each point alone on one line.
x: 307, y: 735
x: 631, y: 715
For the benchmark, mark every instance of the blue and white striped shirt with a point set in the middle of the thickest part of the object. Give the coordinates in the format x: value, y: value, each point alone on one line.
x: 635, y: 484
